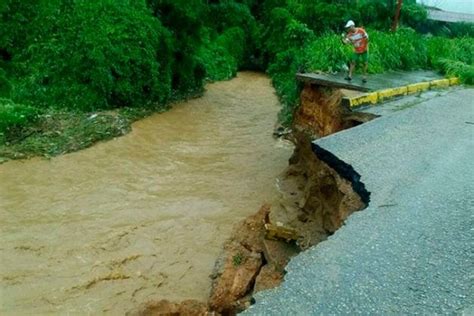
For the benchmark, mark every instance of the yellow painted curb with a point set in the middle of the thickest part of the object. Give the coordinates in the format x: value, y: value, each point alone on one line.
x: 382, y: 95
x: 393, y: 92
x: 454, y: 81
x: 370, y: 98
x: 441, y: 83
x: 418, y: 87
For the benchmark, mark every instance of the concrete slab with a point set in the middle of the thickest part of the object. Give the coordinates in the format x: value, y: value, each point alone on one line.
x: 375, y: 82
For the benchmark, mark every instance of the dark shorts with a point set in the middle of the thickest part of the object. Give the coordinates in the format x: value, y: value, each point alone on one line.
x: 360, y: 57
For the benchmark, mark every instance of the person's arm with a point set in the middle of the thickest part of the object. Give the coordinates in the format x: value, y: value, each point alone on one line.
x: 345, y: 39
x: 365, y: 34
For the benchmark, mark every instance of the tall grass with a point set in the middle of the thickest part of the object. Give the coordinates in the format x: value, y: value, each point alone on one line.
x: 13, y: 117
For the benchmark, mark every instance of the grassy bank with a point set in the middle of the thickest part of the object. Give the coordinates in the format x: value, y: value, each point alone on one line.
x: 54, y: 132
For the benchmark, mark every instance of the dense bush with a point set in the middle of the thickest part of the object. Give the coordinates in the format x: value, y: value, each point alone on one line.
x: 222, y: 55
x: 404, y: 49
x: 96, y: 55
x: 460, y: 49
x: 452, y: 56
x: 17, y: 32
x: 184, y: 19
x: 227, y: 15
x: 323, y: 16
x: 13, y: 117
x: 5, y: 85
x: 285, y: 40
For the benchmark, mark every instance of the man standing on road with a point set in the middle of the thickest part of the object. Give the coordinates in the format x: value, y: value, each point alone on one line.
x: 359, y: 38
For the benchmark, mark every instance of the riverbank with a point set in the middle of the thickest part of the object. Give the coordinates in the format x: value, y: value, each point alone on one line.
x: 142, y: 217
x: 56, y: 132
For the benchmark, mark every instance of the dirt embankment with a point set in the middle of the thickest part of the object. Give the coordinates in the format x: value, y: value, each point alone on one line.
x: 317, y: 194
x: 321, y: 112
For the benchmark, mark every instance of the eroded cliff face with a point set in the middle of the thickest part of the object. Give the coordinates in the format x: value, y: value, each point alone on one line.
x: 315, y: 198
x: 321, y: 112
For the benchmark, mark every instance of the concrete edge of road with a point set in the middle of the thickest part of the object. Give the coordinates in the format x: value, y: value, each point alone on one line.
x: 376, y: 97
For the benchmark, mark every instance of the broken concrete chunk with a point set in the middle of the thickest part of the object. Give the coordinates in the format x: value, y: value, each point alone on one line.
x: 280, y: 232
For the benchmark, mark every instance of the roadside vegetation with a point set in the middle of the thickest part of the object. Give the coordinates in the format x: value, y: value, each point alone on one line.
x: 76, y: 72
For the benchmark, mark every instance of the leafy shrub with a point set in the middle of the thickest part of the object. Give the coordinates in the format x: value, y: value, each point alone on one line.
x: 460, y: 49
x: 462, y: 29
x: 457, y: 68
x: 323, y: 16
x: 14, y: 116
x: 233, y: 41
x: 282, y: 71
x: 17, y: 31
x: 223, y: 55
x: 5, y: 85
x: 227, y: 15
x: 404, y: 49
x: 286, y: 40
x: 327, y: 54
x: 184, y: 19
x: 414, y: 15
x: 376, y: 14
x: 453, y: 56
x: 97, y: 55
x: 219, y: 62
x: 283, y: 31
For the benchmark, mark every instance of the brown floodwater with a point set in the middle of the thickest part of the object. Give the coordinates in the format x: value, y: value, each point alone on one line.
x: 143, y: 216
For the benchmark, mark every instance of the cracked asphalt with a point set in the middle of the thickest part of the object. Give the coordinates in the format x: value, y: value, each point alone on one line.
x: 411, y: 251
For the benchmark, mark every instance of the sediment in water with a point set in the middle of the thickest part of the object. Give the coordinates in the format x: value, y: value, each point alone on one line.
x: 318, y: 193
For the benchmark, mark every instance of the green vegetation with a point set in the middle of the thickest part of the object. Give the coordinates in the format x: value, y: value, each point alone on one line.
x: 237, y: 259
x: 73, y: 72
x: 13, y: 118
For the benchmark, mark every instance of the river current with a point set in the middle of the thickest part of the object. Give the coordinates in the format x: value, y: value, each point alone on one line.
x: 143, y: 216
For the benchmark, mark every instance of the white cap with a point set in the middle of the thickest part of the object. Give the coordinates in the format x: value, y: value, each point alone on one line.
x: 350, y: 23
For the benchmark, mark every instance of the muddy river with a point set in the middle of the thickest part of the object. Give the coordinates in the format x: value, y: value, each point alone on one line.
x: 143, y: 216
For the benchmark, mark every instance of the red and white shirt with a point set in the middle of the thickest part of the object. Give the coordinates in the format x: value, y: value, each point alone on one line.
x: 359, y: 39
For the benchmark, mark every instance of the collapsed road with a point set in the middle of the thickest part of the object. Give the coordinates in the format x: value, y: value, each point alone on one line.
x: 411, y: 250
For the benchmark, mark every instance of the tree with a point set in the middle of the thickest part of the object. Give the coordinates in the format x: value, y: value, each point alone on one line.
x: 396, y: 17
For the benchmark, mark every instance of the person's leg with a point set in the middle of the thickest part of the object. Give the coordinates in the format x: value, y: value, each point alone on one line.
x: 365, y: 58
x: 366, y: 65
x: 352, y: 66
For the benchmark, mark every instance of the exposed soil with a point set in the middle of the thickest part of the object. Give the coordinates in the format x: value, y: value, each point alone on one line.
x: 321, y: 113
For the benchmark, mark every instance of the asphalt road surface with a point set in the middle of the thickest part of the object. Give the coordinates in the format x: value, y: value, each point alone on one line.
x: 411, y: 251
